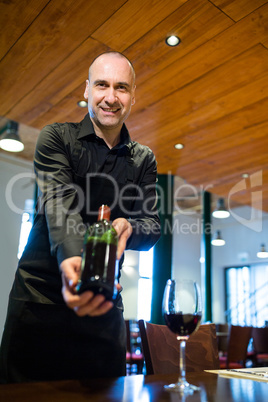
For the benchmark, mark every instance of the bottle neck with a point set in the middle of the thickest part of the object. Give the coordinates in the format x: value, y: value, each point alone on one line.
x: 104, y: 213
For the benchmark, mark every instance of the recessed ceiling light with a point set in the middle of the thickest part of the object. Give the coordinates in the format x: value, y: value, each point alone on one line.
x: 245, y: 175
x: 82, y: 103
x: 172, y: 40
x: 178, y: 146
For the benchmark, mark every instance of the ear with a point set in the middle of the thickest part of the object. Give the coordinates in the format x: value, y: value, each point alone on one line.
x: 86, y: 90
x: 133, y: 100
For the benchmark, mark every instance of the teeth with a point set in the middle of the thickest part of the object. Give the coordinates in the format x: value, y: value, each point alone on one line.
x: 110, y: 110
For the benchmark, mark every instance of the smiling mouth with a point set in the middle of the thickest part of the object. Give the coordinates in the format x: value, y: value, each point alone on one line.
x: 110, y: 110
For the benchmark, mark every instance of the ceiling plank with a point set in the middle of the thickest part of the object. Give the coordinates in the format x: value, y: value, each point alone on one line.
x: 195, y: 22
x: 66, y: 110
x: 15, y: 18
x: 68, y: 75
x: 67, y: 24
x: 133, y: 20
x: 189, y: 116
x: 182, y: 61
x: 238, y: 9
x: 230, y: 130
x: 227, y: 77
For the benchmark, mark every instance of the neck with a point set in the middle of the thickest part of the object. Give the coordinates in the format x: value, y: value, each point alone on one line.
x: 111, y: 137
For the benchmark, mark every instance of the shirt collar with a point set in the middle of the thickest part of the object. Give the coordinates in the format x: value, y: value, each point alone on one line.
x: 87, y: 129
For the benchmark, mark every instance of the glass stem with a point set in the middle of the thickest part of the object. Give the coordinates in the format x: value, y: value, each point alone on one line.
x: 182, y: 361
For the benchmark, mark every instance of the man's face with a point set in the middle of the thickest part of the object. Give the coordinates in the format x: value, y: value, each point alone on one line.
x: 110, y: 91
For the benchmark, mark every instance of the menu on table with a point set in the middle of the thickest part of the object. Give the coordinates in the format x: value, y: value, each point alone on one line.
x: 251, y: 373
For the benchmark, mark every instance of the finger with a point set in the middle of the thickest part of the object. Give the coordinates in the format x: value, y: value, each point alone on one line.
x: 119, y: 287
x: 73, y: 299
x: 121, y: 246
x: 97, y: 306
x: 103, y: 308
x: 119, y: 225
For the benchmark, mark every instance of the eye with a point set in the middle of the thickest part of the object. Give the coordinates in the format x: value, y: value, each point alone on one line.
x: 122, y: 88
x: 101, y: 85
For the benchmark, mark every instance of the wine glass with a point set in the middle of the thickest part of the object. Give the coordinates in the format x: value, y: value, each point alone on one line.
x: 182, y: 312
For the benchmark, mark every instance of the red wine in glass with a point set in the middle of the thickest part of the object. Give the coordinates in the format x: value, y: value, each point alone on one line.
x: 182, y: 324
x: 182, y: 312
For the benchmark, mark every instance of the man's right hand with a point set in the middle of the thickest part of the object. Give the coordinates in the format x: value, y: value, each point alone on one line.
x: 86, y: 303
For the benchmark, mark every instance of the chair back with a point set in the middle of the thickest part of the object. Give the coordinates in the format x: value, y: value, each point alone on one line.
x: 161, y: 349
x: 238, y: 344
x: 127, y: 323
x: 260, y: 339
x: 222, y: 336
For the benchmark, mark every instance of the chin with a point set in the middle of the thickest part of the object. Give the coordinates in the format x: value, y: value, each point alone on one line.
x: 110, y: 123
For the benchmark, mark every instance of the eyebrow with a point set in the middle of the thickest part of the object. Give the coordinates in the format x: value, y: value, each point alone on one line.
x: 106, y: 82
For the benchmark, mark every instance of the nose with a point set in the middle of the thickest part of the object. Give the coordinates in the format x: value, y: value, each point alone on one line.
x: 111, y: 96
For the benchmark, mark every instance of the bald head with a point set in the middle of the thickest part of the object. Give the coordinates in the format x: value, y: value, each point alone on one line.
x: 101, y: 58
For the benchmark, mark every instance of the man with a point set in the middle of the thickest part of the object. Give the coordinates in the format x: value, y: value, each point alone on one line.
x: 51, y: 332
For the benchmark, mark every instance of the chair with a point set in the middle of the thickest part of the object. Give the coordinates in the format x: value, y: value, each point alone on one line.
x: 132, y: 358
x: 222, y: 332
x: 238, y: 341
x: 260, y: 345
x: 161, y: 349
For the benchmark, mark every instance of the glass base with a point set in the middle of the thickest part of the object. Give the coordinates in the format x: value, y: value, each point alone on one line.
x: 183, y: 387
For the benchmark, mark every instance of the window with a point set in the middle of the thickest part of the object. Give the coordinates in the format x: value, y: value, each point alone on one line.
x: 237, y: 295
x: 145, y: 285
x: 26, y: 225
x: 246, y: 293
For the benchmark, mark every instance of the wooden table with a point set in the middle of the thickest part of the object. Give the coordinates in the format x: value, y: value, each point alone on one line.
x: 137, y: 388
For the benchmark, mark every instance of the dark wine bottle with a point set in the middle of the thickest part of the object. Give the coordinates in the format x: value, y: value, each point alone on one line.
x: 99, y: 269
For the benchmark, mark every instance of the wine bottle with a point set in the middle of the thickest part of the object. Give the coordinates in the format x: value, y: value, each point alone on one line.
x: 99, y: 269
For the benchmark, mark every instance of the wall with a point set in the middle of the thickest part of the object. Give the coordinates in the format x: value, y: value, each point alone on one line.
x: 129, y: 281
x: 186, y: 247
x: 23, y: 188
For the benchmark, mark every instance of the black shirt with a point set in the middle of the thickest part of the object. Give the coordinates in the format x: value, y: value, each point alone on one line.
x: 76, y: 173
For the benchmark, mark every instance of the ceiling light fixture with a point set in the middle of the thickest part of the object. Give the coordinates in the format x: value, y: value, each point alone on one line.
x: 173, y: 40
x: 82, y: 103
x: 178, y: 146
x: 262, y: 253
x: 217, y: 239
x: 10, y: 140
x: 221, y: 212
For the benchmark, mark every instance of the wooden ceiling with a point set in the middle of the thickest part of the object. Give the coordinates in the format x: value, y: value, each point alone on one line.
x: 210, y: 93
